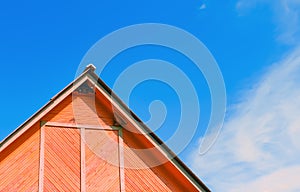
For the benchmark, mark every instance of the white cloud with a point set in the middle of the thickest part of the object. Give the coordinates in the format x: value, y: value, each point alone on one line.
x: 259, y: 146
x: 203, y: 6
x: 286, y: 15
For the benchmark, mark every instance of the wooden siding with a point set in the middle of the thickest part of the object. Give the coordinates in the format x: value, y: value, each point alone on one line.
x: 138, y: 178
x: 163, y: 177
x: 70, y: 164
x: 82, y: 109
x: 61, y: 159
x: 19, y: 164
x: 102, y: 170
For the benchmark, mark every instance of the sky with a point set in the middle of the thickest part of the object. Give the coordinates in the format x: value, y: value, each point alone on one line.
x: 255, y: 44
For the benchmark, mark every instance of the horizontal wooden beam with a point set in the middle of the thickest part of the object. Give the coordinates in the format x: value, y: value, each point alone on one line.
x: 80, y: 126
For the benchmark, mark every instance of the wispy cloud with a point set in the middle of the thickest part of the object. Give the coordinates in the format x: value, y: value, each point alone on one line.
x: 286, y: 16
x: 259, y: 147
x: 203, y: 6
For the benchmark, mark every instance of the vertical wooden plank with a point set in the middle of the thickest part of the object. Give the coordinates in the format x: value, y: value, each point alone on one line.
x: 102, y: 160
x: 19, y: 163
x: 41, y: 159
x: 82, y: 160
x: 121, y: 161
x: 62, y: 159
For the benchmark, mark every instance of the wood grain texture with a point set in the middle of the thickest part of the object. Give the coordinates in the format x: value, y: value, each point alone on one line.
x: 138, y: 177
x: 62, y: 159
x: 19, y: 164
x: 93, y: 164
x: 82, y: 109
x: 102, y: 170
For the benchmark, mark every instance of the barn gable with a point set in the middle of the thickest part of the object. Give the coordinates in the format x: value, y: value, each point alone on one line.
x: 86, y: 139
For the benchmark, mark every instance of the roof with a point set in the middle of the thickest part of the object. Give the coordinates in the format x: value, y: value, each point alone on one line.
x: 124, y: 114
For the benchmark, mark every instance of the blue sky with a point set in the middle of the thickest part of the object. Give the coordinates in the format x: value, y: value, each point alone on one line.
x: 255, y: 44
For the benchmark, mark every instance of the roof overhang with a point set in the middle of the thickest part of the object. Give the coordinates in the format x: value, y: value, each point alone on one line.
x: 122, y: 110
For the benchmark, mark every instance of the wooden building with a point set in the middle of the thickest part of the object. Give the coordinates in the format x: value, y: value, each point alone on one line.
x: 86, y: 139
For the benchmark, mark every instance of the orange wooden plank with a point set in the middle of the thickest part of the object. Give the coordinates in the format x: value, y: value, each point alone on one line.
x: 82, y: 109
x: 19, y: 163
x: 101, y: 156
x: 140, y: 177
x: 62, y: 159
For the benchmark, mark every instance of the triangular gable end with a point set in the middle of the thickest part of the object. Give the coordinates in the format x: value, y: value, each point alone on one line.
x: 86, y: 139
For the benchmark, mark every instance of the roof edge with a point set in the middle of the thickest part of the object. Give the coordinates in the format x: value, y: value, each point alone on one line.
x: 90, y: 71
x: 176, y: 159
x: 49, y: 103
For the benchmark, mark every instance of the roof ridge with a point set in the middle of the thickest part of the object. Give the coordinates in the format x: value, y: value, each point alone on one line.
x: 90, y: 67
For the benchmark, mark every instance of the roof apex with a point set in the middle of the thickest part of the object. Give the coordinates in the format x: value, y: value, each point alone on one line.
x: 90, y: 67
x: 88, y: 74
